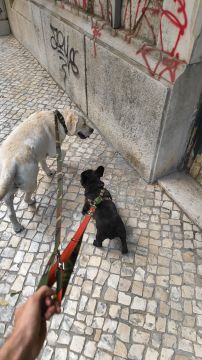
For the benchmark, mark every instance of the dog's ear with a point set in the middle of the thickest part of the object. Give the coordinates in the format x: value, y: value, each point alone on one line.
x: 100, y: 171
x: 71, y: 120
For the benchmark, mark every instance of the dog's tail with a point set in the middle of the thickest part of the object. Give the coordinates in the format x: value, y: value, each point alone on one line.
x: 6, y: 179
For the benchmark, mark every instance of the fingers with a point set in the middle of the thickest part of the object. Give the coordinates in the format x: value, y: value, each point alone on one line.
x: 51, y: 310
x: 43, y: 300
x: 48, y: 301
x: 43, y: 291
x: 51, y: 306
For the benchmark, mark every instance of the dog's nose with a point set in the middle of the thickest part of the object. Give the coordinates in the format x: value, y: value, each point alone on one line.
x: 91, y: 130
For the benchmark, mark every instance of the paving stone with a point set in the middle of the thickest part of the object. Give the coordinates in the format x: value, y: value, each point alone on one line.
x: 64, y: 338
x: 161, y: 324
x: 166, y: 354
x: 139, y: 274
x: 120, y: 349
x: 101, y: 309
x: 47, y: 352
x: 151, y: 354
x: 98, y: 322
x: 90, y: 349
x: 101, y: 355
x: 113, y: 281
x: 149, y: 322
x: 123, y: 298
x: 114, y: 311
x: 52, y: 338
x: 138, y: 303
x: 136, y: 352
x: 111, y: 295
x: 169, y: 341
x: 123, y: 332
x: 110, y: 326
x: 60, y: 354
x: 107, y: 342
x: 185, y: 345
x: 77, y: 343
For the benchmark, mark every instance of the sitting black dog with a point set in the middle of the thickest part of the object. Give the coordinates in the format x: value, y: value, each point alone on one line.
x: 108, y: 222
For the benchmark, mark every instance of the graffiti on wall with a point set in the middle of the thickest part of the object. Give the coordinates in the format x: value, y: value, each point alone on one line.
x: 168, y: 61
x: 150, y: 21
x: 60, y: 43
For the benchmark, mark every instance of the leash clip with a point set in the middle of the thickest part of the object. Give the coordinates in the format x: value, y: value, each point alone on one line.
x: 92, y: 210
x: 60, y: 264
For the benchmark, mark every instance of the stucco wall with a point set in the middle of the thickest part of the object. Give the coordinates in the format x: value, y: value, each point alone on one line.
x: 140, y: 112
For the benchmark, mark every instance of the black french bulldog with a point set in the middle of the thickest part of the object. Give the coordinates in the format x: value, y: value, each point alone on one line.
x: 108, y: 222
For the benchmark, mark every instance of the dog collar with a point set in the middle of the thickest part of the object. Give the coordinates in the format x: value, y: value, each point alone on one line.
x: 61, y: 120
x: 97, y: 201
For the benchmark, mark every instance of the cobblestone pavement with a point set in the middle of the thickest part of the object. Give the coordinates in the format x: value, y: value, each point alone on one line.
x: 144, y: 305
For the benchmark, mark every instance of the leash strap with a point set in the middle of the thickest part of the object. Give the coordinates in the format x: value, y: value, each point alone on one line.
x: 44, y: 279
x: 71, y: 249
x: 61, y: 270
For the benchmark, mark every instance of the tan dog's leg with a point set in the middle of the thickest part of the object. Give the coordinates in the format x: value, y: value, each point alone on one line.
x: 30, y: 183
x: 46, y: 169
x: 28, y: 195
x: 11, y: 213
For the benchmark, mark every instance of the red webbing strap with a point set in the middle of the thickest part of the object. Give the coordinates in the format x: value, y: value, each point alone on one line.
x: 64, y: 257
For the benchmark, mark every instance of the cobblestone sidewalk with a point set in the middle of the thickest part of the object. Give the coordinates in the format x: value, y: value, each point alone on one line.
x: 144, y: 305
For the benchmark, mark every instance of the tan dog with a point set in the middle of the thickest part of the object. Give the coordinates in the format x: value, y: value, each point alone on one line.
x: 27, y: 146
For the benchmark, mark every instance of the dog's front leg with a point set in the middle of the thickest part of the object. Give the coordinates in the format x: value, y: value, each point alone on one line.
x: 86, y: 207
x: 46, y: 169
x: 11, y: 213
x: 98, y: 240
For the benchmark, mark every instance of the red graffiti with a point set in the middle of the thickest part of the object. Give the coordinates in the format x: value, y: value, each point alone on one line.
x: 168, y: 61
x: 84, y: 6
x: 181, y: 26
x: 96, y: 31
x: 164, y: 63
x: 143, y: 16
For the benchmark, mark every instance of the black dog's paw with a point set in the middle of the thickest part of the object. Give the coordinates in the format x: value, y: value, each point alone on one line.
x: 125, y: 250
x: 95, y: 243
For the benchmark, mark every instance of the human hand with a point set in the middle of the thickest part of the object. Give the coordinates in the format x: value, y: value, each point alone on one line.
x: 29, y: 331
x: 30, y: 321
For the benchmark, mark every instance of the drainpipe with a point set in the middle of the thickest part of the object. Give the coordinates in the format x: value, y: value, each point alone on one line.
x: 4, y: 24
x: 116, y: 13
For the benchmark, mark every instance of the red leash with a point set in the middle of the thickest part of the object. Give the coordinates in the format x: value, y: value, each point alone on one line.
x: 64, y: 257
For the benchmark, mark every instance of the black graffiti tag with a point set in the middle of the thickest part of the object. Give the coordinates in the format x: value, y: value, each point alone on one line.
x: 61, y: 43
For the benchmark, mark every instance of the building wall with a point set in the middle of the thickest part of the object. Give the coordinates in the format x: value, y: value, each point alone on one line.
x: 140, y: 94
